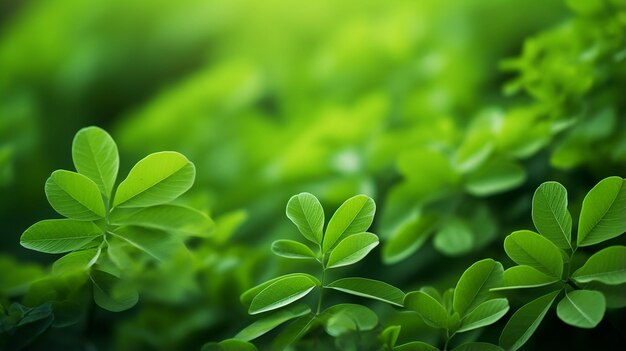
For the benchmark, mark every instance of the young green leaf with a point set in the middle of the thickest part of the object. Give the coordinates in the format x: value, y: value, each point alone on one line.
x: 495, y: 176
x: 415, y: 346
x: 77, y: 261
x: 409, y: 238
x: 550, y: 214
x: 389, y: 336
x: 582, y: 308
x: 306, y: 212
x: 432, y: 292
x: 428, y: 308
x: 525, y: 321
x: 529, y: 248
x: 473, y: 286
x: 607, y: 266
x: 281, y: 293
x: 292, y: 249
x: 158, y: 178
x: 484, y: 314
x: 75, y: 196
x: 355, y: 215
x: 352, y: 249
x: 59, y: 235
x: 248, y: 295
x: 478, y: 346
x: 155, y: 243
x: 229, y: 345
x: 369, y: 288
x: 294, y: 331
x: 602, y: 215
x: 168, y: 217
x: 519, y: 277
x: 344, y: 318
x: 454, y: 238
x: 272, y: 321
x: 111, y: 293
x: 95, y: 155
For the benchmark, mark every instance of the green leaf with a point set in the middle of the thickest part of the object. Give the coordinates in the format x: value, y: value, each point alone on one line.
x: 428, y: 308
x: 59, y: 235
x: 111, y: 293
x: 75, y: 196
x: 355, y: 215
x: 602, y: 215
x: 474, y: 151
x: 272, y: 321
x: 415, y: 346
x: 494, y: 177
x: 247, y: 297
x: 345, y: 318
x: 478, y: 346
x: 607, y: 266
x: 484, y: 314
x: 615, y: 295
x: 77, y: 261
x: 550, y: 214
x: 294, y: 332
x: 155, y: 243
x: 169, y: 217
x: 292, y: 249
x: 454, y: 238
x: 473, y: 286
x: 525, y: 321
x: 582, y: 308
x: 281, y: 293
x: 389, y: 336
x: 158, y: 178
x: 369, y: 288
x: 95, y: 155
x: 409, y: 238
x: 531, y: 249
x: 352, y: 249
x: 523, y: 276
x: 306, y: 212
x: 229, y: 345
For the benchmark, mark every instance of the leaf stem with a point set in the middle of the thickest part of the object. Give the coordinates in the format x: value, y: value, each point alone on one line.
x: 319, y: 301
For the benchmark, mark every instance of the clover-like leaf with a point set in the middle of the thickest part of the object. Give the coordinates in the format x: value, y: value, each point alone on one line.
x: 525, y: 321
x: 529, y: 248
x: 158, y: 178
x: 523, y: 276
x: 272, y: 321
x: 602, y: 214
x: 59, y: 235
x: 306, y: 212
x: 474, y: 284
x: 607, y: 266
x: 370, y: 288
x: 281, y: 293
x: 248, y: 295
x: 550, y: 214
x: 95, y: 155
x: 167, y: 217
x: 75, y: 196
x: 352, y: 249
x: 484, y: 314
x: 582, y: 308
x: 355, y: 215
x: 429, y: 309
x: 292, y: 249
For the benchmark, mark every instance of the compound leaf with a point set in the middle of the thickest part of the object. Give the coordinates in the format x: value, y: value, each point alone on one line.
x: 95, y: 155
x: 306, y: 212
x: 602, y: 215
x: 59, y: 235
x: 75, y: 196
x: 352, y: 249
x: 369, y: 288
x: 529, y: 248
x: 355, y: 215
x: 428, y: 308
x: 523, y: 276
x: 607, y: 266
x: 281, y: 293
x: 474, y: 284
x: 550, y: 214
x: 582, y: 308
x: 248, y: 295
x: 484, y: 314
x: 292, y: 249
x: 167, y: 217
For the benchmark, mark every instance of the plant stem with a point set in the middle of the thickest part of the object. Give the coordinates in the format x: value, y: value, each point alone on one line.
x: 445, y: 345
x: 319, y: 301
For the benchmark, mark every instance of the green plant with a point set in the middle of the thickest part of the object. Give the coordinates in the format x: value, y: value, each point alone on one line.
x: 549, y: 259
x: 343, y: 243
x: 466, y: 307
x: 109, y: 230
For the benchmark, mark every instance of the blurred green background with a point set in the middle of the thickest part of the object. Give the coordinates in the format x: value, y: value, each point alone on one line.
x: 459, y: 108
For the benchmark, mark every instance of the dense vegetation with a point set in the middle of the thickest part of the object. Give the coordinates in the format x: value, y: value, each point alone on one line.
x: 440, y: 137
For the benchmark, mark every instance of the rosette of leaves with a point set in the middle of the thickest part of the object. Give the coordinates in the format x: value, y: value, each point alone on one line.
x: 584, y: 286
x: 109, y: 229
x: 343, y: 242
x: 468, y: 306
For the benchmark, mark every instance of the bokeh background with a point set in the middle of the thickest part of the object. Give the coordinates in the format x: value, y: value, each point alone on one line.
x: 459, y: 108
